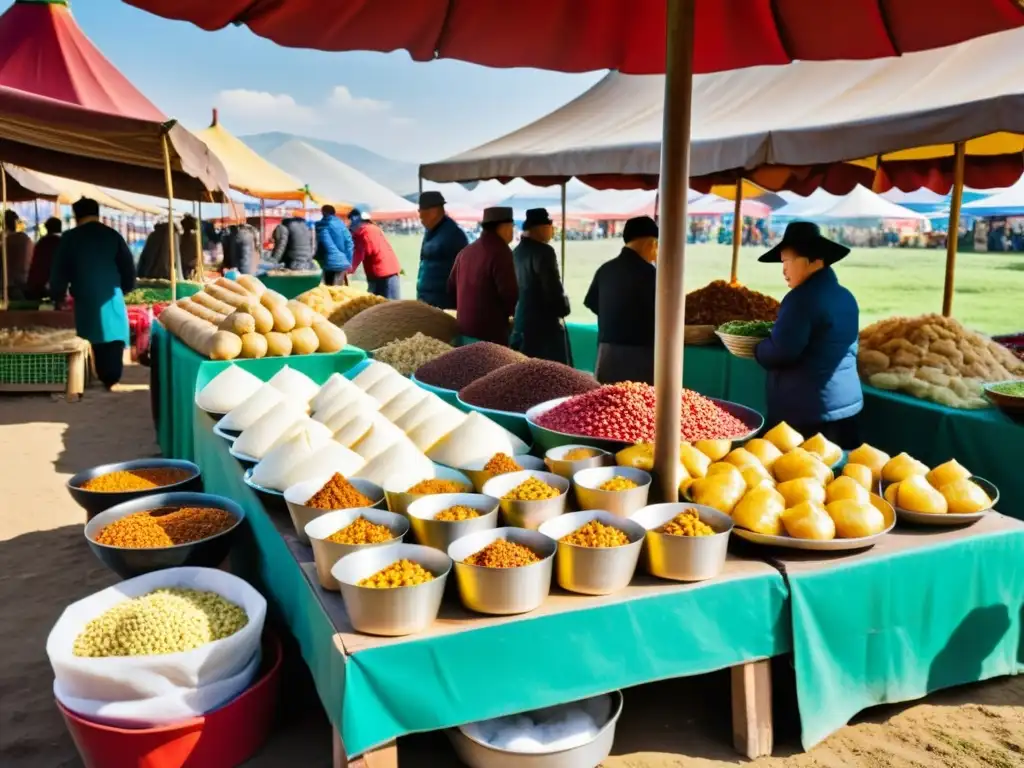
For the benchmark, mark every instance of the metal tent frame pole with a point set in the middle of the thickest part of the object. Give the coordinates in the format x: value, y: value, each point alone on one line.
x: 171, y: 233
x: 737, y: 233
x: 953, y: 232
x: 563, y: 233
x: 3, y: 233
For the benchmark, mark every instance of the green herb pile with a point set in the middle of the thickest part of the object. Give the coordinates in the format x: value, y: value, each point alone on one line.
x: 147, y: 296
x: 1009, y: 388
x: 758, y: 328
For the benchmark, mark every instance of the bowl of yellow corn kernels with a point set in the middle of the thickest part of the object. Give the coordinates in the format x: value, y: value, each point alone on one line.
x: 684, y: 541
x: 597, y: 550
x: 528, y: 498
x: 440, y: 519
x: 342, y: 532
x: 619, y: 490
x: 394, y: 590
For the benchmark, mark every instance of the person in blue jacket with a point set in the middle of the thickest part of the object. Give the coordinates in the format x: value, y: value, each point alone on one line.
x: 334, y: 246
x: 442, y: 241
x: 811, y: 355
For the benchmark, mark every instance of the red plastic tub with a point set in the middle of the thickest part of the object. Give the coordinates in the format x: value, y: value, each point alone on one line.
x: 224, y: 738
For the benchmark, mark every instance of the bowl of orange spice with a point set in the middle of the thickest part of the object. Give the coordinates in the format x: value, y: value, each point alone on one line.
x: 336, y: 534
x: 597, y: 550
x: 108, y: 485
x: 483, y: 469
x: 440, y: 519
x: 402, y: 490
x: 308, y: 500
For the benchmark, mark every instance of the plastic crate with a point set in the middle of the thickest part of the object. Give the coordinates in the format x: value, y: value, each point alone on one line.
x: 40, y: 369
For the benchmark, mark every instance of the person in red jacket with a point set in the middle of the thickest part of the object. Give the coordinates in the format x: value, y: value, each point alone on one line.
x: 374, y: 252
x: 483, y: 281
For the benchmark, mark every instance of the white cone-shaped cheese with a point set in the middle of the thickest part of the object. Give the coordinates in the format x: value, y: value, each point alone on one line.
x: 228, y: 390
x: 416, y: 415
x: 403, y: 403
x: 382, y: 435
x: 476, y: 436
x: 244, y: 416
x: 318, y: 433
x: 296, y: 386
x: 334, y: 385
x: 388, y: 388
x: 350, y: 399
x: 401, y: 459
x: 372, y: 373
x: 325, y: 461
x: 436, y: 426
x: 272, y: 472
x: 259, y: 438
x: 355, y: 429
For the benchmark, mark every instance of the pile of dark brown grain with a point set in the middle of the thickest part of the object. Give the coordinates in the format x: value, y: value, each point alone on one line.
x: 464, y: 365
x: 520, y: 386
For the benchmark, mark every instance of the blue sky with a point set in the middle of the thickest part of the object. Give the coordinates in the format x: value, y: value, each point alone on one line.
x: 384, y: 102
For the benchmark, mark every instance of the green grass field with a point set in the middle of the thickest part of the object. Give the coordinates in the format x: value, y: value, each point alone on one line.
x: 886, y: 281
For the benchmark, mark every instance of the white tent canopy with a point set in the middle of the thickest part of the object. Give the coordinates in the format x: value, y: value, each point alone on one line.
x: 333, y: 181
x: 67, y: 191
x: 1009, y: 202
x: 801, y: 114
x: 864, y: 205
x: 808, y: 207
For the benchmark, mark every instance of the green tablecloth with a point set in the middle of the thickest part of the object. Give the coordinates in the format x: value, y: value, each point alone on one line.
x: 986, y: 441
x: 921, y: 611
x: 291, y: 286
x: 178, y: 372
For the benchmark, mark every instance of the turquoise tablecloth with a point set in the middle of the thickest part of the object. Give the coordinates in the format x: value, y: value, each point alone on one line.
x: 178, y: 373
x: 291, y: 286
x: 986, y: 441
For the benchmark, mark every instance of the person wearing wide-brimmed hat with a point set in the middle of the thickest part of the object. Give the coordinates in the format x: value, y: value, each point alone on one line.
x: 442, y: 241
x: 811, y: 355
x: 483, y: 281
x: 622, y: 296
x: 537, y: 330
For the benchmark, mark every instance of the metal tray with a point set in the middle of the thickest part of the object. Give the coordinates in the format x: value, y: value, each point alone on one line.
x: 245, y: 458
x: 834, y: 545
x: 948, y: 520
x: 228, y: 434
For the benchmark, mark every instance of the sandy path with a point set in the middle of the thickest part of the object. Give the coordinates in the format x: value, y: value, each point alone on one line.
x: 679, y: 724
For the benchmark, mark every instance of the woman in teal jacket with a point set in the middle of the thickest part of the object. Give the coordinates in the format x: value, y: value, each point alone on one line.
x: 94, y: 260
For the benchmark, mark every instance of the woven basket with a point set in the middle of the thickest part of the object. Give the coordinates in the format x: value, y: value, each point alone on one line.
x: 741, y: 346
x: 699, y: 335
x: 396, y: 320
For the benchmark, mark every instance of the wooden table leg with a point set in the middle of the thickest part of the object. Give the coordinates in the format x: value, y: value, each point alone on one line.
x: 77, y: 363
x: 385, y: 756
x: 752, y: 709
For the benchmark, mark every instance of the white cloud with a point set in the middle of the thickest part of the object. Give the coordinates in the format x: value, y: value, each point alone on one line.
x: 341, y: 99
x: 240, y: 101
x: 402, y: 121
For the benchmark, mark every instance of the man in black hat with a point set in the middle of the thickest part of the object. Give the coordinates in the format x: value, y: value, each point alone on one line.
x: 622, y: 296
x: 811, y: 355
x: 483, y: 281
x: 442, y: 242
x: 538, y: 330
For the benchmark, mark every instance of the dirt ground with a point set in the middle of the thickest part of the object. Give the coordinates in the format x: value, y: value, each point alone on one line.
x: 677, y: 724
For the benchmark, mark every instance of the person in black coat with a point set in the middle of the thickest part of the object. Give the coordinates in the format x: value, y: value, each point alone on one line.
x: 537, y: 330
x: 293, y: 246
x: 622, y: 296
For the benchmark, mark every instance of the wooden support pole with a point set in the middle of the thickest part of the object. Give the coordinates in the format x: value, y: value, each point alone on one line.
x: 752, y: 729
x: 201, y: 261
x: 953, y: 232
x: 737, y: 232
x: 171, y: 233
x: 670, y: 304
x: 3, y: 234
x: 563, y: 233
x: 385, y: 756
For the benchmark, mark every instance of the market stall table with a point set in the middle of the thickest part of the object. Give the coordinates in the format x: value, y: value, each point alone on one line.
x: 924, y: 609
x: 651, y: 631
x: 177, y: 372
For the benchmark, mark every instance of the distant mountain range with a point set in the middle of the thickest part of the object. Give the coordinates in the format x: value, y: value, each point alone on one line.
x: 398, y: 175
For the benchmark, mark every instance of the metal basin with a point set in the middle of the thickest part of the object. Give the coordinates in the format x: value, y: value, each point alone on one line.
x: 622, y: 503
x: 94, y: 502
x: 297, y: 495
x: 440, y: 534
x: 128, y: 562
x: 503, y: 591
x: 684, y: 558
x: 511, y: 420
x: 475, y: 469
x: 399, y: 499
x: 594, y: 570
x: 555, y: 460
x: 327, y: 553
x: 397, y: 611
x: 528, y: 514
x: 606, y: 709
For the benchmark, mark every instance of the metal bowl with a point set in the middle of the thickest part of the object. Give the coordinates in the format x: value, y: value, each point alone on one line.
x: 397, y: 611
x: 440, y: 534
x: 399, y: 500
x: 1011, y: 405
x: 503, y: 591
x: 684, y: 558
x: 128, y: 562
x: 621, y: 503
x: 475, y: 469
x: 513, y: 421
x: 946, y: 520
x: 94, y: 502
x: 555, y: 460
x: 527, y: 514
x: 606, y: 708
x: 272, y: 500
x: 296, y: 496
x: 450, y: 396
x: 327, y: 553
x: 594, y: 570
x: 243, y: 458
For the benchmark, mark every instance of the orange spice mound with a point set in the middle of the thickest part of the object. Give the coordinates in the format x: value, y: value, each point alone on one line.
x: 338, y: 493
